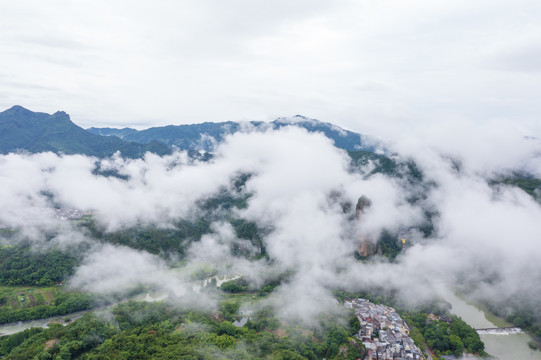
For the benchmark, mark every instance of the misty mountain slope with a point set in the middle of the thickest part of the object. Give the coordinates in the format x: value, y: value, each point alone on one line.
x: 224, y: 205
x: 344, y: 139
x: 203, y: 136
x: 281, y: 200
x: 529, y: 184
x: 25, y: 130
x: 220, y: 207
x: 184, y: 137
x: 386, y: 165
x: 120, y: 133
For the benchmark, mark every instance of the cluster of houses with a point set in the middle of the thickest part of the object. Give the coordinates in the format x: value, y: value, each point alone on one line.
x: 70, y: 214
x: 383, y: 332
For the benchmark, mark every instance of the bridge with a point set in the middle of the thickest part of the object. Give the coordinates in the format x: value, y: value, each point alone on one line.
x: 499, y: 331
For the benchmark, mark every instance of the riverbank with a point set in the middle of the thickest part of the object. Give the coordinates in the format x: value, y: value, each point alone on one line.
x: 492, y: 318
x: 15, y: 327
x: 12, y: 328
x: 503, y: 347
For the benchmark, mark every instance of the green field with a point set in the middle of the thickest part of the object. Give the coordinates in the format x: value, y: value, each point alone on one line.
x: 24, y: 297
x: 243, y: 298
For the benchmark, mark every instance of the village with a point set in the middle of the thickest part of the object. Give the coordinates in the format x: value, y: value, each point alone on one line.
x: 70, y: 214
x: 383, y: 332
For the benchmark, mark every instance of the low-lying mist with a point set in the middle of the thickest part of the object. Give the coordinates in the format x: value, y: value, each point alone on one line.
x: 302, y: 192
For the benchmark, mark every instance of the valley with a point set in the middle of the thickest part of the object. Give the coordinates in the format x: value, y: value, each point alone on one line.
x: 250, y: 247
x: 270, y: 180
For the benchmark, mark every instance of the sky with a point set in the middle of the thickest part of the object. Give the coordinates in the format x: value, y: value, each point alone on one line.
x: 385, y: 67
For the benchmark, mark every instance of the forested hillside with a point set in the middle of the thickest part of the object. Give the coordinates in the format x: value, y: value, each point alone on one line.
x: 33, y: 132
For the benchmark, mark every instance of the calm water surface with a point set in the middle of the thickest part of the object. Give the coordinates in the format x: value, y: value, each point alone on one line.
x: 503, y: 347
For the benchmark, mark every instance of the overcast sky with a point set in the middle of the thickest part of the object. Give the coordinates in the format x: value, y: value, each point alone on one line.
x: 367, y: 65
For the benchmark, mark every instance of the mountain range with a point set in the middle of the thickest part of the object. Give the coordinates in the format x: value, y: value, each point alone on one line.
x: 25, y: 130
x: 203, y: 136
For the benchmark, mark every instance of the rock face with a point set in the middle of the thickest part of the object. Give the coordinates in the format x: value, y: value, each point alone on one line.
x: 362, y: 204
x: 365, y: 248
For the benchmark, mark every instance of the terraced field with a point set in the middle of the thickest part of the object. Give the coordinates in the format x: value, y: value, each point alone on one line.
x: 23, y: 297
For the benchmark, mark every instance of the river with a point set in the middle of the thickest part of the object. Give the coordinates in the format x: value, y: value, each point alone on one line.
x: 196, y: 286
x: 12, y: 328
x: 503, y: 347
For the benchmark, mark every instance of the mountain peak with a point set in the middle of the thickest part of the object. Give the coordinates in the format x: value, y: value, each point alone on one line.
x: 61, y: 115
x: 17, y: 109
x: 296, y: 119
x: 22, y: 129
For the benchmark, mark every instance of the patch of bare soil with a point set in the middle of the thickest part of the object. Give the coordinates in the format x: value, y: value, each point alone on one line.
x: 50, y: 343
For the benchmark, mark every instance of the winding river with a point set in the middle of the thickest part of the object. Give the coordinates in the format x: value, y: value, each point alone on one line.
x: 12, y: 328
x: 503, y: 347
x: 196, y: 286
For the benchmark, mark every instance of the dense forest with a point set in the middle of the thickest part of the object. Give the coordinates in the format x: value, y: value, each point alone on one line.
x: 21, y: 265
x: 522, y: 311
x: 140, y: 330
x: 143, y: 330
x: 66, y: 303
x: 451, y: 336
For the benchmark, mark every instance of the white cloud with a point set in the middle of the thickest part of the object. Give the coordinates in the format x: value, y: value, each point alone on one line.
x: 148, y: 64
x: 298, y: 184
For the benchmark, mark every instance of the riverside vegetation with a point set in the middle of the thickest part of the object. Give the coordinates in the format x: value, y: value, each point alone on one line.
x: 31, y: 279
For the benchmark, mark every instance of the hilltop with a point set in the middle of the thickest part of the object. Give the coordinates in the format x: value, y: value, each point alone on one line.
x: 25, y: 130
